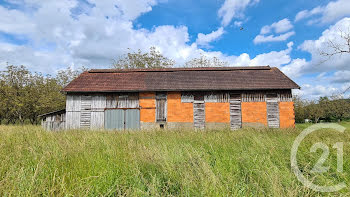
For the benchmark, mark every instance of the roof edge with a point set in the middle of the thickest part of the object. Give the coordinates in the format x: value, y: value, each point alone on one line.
x: 296, y: 85
x: 180, y: 69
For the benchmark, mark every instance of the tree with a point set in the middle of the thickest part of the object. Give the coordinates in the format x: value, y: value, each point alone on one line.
x: 151, y: 59
x: 300, y: 109
x: 315, y: 111
x: 65, y: 76
x: 338, y: 46
x: 205, y: 61
x: 25, y: 95
x: 15, y: 80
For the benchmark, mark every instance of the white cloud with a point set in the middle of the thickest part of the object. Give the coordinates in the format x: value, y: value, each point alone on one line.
x: 316, y: 91
x: 271, y: 38
x: 314, y: 47
x: 59, y: 39
x: 294, y: 69
x: 341, y: 76
x: 306, y: 13
x: 278, y: 27
x: 238, y: 23
x: 234, y: 9
x: 333, y: 11
x: 273, y: 58
x: 13, y: 21
x: 205, y: 39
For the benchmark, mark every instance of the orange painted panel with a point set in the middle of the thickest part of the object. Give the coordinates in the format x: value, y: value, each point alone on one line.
x: 177, y: 111
x: 254, y: 112
x: 217, y: 112
x: 148, y: 107
x: 287, y: 119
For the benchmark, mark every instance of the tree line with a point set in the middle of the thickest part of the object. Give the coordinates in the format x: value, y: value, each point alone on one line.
x: 25, y: 95
x: 327, y: 109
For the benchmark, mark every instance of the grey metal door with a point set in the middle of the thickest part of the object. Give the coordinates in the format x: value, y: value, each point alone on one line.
x: 132, y: 119
x: 114, y: 119
x: 122, y: 119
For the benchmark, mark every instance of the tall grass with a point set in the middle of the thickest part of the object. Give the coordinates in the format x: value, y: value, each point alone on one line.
x: 247, y: 162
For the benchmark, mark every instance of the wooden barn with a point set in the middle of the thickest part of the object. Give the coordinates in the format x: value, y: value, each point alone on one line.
x: 232, y: 97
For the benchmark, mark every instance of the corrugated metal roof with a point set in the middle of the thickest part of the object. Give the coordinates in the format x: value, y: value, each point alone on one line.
x: 181, y: 79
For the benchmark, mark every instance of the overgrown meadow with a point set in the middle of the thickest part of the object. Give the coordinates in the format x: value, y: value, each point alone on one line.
x: 246, y: 162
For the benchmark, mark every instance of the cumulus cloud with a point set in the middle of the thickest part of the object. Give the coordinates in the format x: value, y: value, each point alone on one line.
x: 294, y: 69
x: 316, y: 91
x: 341, y: 77
x: 323, y: 64
x: 279, y: 27
x: 99, y: 32
x: 234, y: 9
x: 333, y: 11
x: 205, y: 39
x: 271, y: 38
x: 273, y: 58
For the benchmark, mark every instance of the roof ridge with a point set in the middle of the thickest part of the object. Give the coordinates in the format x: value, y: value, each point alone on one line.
x: 180, y: 69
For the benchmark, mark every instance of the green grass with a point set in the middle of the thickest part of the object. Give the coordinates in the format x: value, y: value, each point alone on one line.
x: 247, y: 162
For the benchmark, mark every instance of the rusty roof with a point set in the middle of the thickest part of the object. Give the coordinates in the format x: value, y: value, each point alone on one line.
x: 181, y: 79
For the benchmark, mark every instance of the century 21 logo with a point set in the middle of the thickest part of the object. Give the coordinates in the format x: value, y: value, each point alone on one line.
x: 318, y: 167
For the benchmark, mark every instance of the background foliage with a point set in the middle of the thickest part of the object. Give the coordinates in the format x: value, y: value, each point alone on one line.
x: 25, y: 95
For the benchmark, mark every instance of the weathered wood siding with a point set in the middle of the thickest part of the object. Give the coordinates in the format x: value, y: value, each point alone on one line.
x: 85, y: 111
x: 98, y: 106
x: 235, y: 111
x: 73, y: 107
x: 161, y: 107
x: 199, y: 111
x: 54, y: 122
x: 273, y: 115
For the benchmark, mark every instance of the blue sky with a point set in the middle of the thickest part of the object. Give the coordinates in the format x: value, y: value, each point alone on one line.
x: 50, y: 35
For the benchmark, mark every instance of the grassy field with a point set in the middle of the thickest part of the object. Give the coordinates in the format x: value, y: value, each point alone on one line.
x: 247, y: 162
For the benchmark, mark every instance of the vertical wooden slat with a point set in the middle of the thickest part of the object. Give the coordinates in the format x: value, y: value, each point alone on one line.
x: 161, y: 106
x: 235, y: 111
x: 199, y: 110
x: 85, y: 114
x: 199, y: 114
x: 272, y: 111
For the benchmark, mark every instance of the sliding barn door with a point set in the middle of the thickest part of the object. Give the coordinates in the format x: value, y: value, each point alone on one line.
x: 114, y: 119
x: 132, y: 119
x: 119, y: 119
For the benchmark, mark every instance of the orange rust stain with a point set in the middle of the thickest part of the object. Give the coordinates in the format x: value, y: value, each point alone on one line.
x: 217, y: 112
x: 177, y: 111
x: 148, y: 107
x: 254, y: 112
x: 287, y: 119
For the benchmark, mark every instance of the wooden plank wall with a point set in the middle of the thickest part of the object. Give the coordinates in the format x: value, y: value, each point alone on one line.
x: 161, y: 107
x: 273, y: 116
x: 235, y: 111
x: 85, y: 111
x: 73, y: 105
x: 54, y: 122
x: 199, y: 111
x: 85, y: 114
x: 98, y: 106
